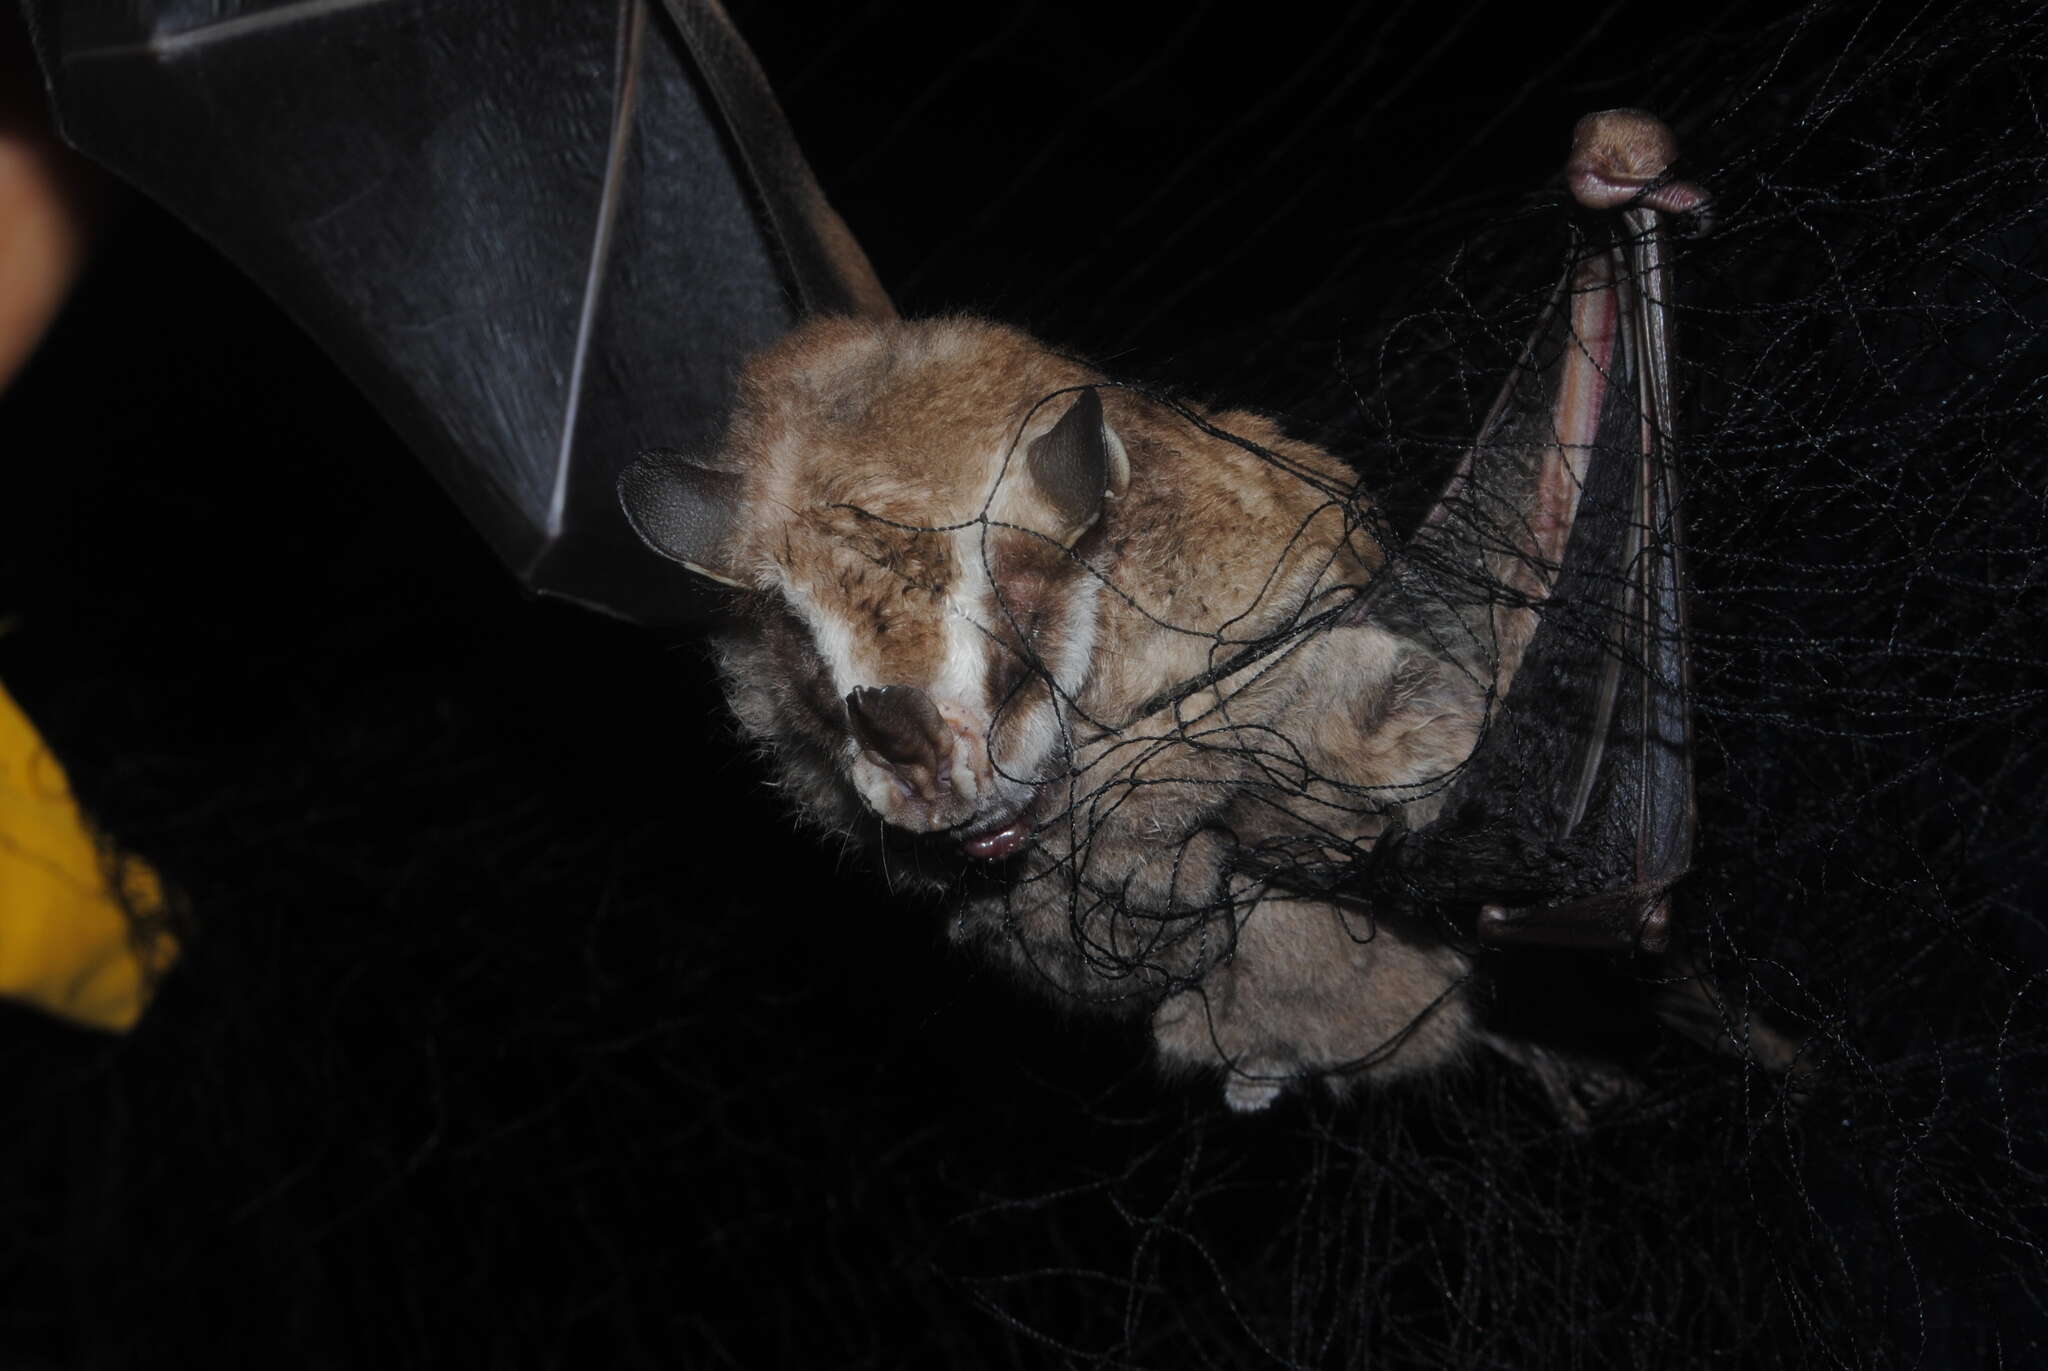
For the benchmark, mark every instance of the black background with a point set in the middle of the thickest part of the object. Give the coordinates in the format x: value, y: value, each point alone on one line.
x: 516, y: 1027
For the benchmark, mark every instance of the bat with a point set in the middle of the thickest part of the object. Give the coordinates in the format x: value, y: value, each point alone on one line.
x: 1150, y: 695
x: 1168, y: 838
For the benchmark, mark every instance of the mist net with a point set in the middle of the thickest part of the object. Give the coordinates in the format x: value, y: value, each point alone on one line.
x: 514, y: 1025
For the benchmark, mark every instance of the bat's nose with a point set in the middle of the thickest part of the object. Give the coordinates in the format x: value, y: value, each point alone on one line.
x: 900, y: 728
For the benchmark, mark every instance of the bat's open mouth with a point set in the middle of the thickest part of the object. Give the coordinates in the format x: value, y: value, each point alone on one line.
x: 1001, y: 835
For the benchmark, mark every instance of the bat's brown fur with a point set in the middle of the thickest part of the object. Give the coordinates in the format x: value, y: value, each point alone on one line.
x: 884, y: 482
x: 999, y: 608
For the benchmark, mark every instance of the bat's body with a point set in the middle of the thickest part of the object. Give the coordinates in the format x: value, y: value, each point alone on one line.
x: 912, y: 569
x: 1210, y: 749
x: 1147, y: 668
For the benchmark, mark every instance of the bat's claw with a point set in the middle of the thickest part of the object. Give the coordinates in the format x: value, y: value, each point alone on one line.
x: 1579, y: 1088
x: 1622, y: 158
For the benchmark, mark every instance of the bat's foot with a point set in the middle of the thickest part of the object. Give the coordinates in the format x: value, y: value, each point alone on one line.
x: 1702, y: 1010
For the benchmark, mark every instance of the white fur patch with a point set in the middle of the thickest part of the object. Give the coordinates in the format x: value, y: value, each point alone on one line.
x: 963, y: 675
x: 833, y: 637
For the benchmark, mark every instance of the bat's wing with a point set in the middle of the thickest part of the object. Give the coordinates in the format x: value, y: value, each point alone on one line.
x: 540, y: 237
x: 1551, y: 572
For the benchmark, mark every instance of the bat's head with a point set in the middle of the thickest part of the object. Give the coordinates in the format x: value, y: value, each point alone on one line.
x: 910, y: 511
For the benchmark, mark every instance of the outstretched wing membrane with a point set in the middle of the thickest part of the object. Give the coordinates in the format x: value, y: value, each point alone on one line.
x: 539, y: 237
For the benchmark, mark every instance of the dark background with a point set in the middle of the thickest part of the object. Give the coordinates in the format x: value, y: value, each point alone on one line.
x: 515, y: 1026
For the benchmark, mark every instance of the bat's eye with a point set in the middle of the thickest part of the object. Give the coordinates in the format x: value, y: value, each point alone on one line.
x: 809, y: 678
x: 1008, y: 675
x: 1014, y: 658
x: 1025, y: 616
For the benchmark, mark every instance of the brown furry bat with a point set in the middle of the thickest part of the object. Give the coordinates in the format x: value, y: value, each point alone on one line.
x: 1144, y: 664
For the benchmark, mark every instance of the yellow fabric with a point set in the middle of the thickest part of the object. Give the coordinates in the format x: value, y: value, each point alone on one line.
x: 66, y: 946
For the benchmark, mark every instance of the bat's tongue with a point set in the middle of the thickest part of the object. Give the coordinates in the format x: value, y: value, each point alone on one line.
x: 994, y: 846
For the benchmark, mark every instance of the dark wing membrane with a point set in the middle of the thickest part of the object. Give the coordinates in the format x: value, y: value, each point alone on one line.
x: 540, y: 237
x: 1552, y: 568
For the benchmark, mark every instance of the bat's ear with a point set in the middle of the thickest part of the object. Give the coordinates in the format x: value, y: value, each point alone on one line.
x: 1076, y: 466
x: 684, y: 510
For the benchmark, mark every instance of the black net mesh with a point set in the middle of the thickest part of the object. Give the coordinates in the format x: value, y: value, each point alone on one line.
x: 514, y: 1026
